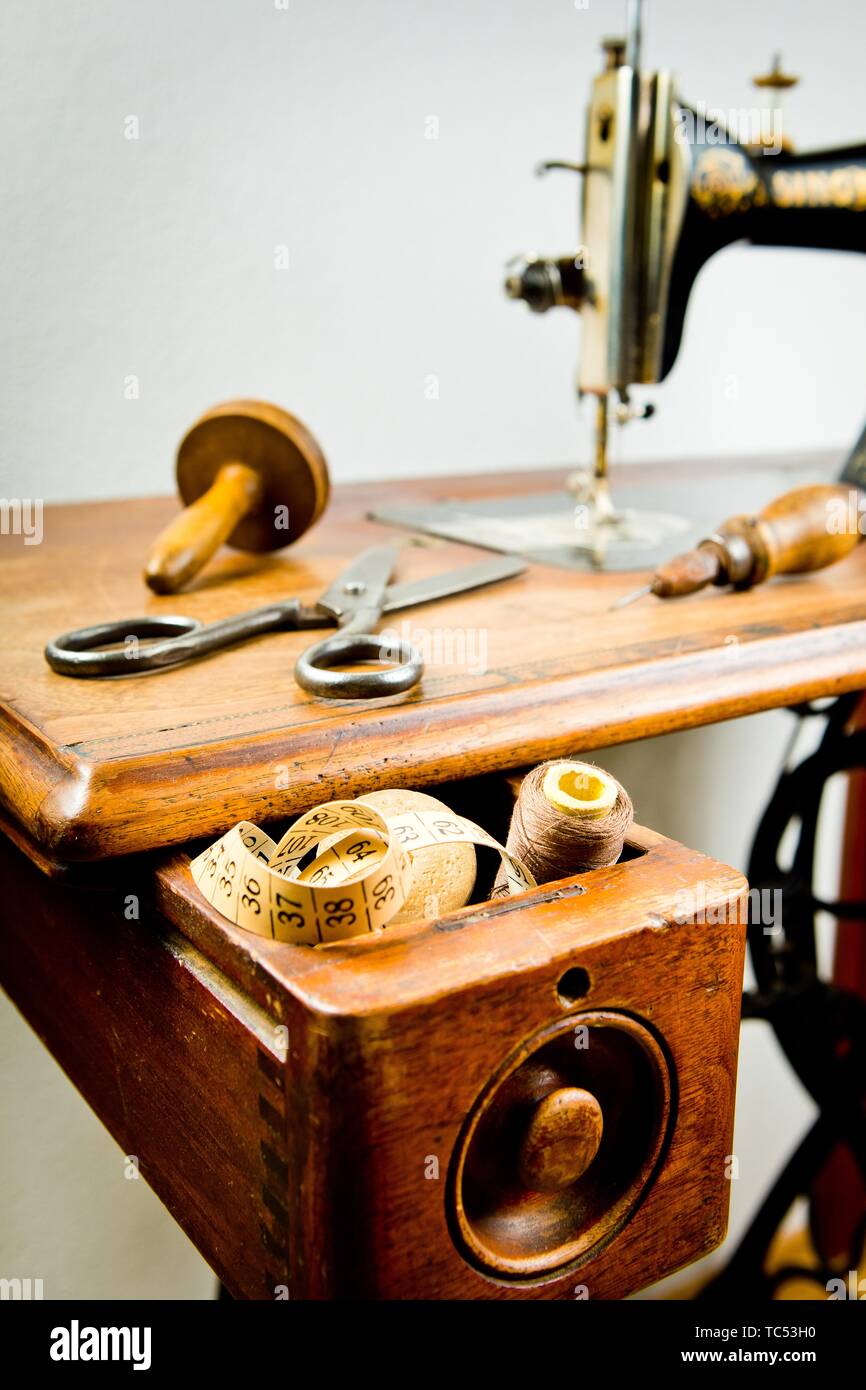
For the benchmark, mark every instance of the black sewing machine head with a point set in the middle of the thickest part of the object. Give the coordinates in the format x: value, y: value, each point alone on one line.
x: 665, y: 186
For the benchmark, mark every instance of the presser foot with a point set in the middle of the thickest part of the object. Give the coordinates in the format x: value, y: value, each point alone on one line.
x: 610, y: 534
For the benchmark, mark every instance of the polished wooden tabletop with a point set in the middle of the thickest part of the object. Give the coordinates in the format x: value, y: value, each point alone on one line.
x: 534, y: 667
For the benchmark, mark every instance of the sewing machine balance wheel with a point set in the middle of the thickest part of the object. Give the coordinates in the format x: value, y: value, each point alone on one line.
x: 250, y: 475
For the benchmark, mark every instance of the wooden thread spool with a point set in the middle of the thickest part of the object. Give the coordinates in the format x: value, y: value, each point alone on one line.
x: 252, y: 476
x: 569, y: 817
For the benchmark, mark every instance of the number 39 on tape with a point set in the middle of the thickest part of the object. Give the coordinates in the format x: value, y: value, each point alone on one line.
x: 296, y: 891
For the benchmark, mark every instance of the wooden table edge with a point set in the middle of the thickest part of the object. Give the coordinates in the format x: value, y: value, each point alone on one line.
x: 84, y: 815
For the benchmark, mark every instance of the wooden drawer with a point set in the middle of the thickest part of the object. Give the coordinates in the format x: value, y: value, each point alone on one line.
x: 353, y: 1121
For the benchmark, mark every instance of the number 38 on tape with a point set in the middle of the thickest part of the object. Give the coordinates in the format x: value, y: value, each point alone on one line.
x: 297, y: 891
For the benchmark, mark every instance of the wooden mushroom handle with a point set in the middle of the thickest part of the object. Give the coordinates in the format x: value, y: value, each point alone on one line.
x: 805, y: 529
x: 188, y: 542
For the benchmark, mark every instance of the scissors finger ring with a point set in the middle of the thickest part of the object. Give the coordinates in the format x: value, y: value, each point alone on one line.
x: 351, y: 648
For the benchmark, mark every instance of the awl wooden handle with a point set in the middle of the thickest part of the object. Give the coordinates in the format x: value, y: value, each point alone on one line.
x: 805, y: 529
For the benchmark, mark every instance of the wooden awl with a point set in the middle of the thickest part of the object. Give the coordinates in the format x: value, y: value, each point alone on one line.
x: 806, y: 529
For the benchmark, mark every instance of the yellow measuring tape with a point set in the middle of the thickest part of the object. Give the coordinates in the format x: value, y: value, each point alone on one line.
x: 354, y: 885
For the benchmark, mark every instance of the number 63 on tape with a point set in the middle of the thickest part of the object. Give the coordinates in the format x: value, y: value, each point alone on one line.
x: 354, y: 885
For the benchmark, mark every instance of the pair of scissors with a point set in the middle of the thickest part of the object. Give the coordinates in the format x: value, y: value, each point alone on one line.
x: 354, y: 603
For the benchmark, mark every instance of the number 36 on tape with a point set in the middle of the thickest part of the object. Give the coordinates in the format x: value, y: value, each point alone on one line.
x: 353, y: 885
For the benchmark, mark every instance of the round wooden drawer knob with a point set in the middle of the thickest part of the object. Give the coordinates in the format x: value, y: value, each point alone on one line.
x: 561, y: 1140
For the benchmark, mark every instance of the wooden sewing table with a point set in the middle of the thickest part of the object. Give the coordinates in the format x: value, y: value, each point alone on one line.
x: 166, y: 1017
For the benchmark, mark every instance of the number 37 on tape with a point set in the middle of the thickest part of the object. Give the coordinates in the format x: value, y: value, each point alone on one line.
x: 340, y: 870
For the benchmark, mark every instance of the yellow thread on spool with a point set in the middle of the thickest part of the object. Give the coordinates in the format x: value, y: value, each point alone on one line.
x: 579, y: 789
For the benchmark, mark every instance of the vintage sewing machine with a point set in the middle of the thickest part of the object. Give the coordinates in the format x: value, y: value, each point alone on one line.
x: 664, y: 187
x: 385, y: 1117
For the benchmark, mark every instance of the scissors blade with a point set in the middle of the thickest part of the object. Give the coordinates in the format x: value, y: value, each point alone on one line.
x: 362, y: 584
x: 451, y: 582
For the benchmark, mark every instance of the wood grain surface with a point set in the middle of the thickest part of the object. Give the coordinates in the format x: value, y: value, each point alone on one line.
x: 394, y: 1039
x: 91, y: 769
x: 285, y: 1102
x: 185, y: 1072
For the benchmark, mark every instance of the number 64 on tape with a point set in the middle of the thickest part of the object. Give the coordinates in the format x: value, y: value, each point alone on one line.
x: 353, y: 886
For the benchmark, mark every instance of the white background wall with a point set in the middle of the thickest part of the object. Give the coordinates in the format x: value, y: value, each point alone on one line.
x: 262, y: 127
